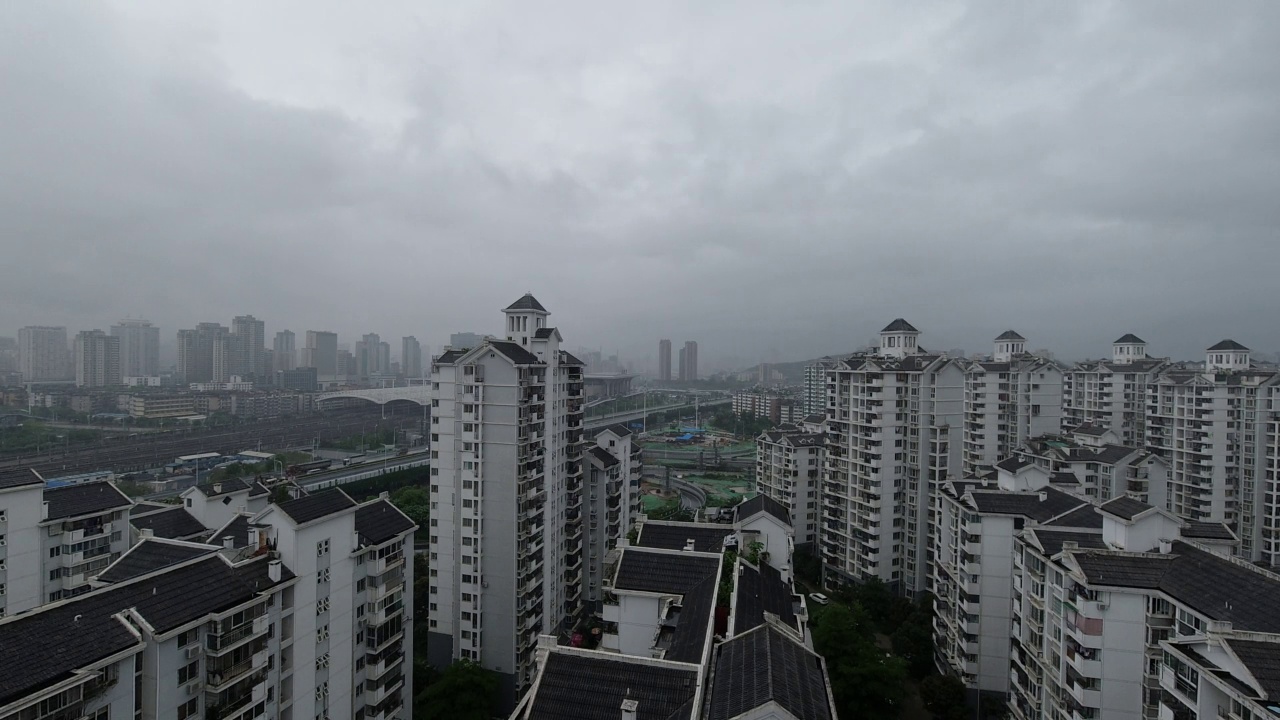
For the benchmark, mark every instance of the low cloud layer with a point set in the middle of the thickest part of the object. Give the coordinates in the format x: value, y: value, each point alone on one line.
x: 774, y: 180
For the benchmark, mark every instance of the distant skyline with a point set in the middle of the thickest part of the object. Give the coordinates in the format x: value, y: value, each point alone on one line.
x: 774, y: 181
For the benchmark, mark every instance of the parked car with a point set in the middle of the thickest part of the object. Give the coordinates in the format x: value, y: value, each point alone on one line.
x: 819, y: 598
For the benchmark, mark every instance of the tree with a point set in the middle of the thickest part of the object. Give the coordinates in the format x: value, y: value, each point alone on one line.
x: 464, y: 691
x: 839, y: 627
x: 414, y: 502
x: 913, y: 642
x: 944, y: 696
x: 867, y: 682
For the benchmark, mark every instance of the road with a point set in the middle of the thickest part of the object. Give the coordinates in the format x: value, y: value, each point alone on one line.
x: 600, y: 422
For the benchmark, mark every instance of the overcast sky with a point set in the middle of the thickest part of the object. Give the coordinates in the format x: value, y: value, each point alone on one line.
x: 774, y: 180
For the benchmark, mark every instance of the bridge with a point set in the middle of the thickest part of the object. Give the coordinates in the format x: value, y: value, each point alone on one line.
x: 420, y: 394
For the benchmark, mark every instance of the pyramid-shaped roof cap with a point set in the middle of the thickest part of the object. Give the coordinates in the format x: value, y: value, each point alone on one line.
x: 527, y: 302
x: 899, y: 325
x: 1130, y: 339
x: 1010, y: 335
x: 1228, y: 345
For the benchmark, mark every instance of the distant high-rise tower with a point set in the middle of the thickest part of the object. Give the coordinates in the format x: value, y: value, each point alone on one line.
x: 664, y: 360
x: 689, y: 361
x: 507, y: 495
x: 42, y: 353
x: 249, y: 349
x: 283, y: 352
x: 139, y: 348
x: 372, y: 356
x: 321, y: 353
x: 411, y: 357
x: 203, y: 354
x: 97, y: 359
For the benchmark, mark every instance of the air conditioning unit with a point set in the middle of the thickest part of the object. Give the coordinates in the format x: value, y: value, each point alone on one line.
x: 1103, y: 605
x: 193, y: 652
x: 194, y: 688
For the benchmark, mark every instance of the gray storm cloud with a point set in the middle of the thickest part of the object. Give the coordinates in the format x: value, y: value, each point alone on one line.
x: 774, y: 180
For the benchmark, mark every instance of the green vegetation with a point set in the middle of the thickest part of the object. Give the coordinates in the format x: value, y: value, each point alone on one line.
x: 362, y: 490
x: 464, y: 691
x: 944, y: 696
x: 415, y: 502
x: 266, y: 467
x: 742, y: 425
x: 865, y: 680
x: 32, y: 436
x: 375, y: 438
x: 723, y: 489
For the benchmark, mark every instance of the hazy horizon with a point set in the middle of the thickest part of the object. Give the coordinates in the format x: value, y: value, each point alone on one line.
x: 775, y: 182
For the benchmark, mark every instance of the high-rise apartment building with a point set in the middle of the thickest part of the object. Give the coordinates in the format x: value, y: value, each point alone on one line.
x: 43, y: 353
x: 97, y: 359
x: 8, y: 354
x: 1211, y: 427
x: 321, y: 353
x: 139, y: 348
x: 1113, y: 394
x: 664, y: 360
x: 815, y: 385
x: 410, y: 357
x: 689, y: 361
x: 204, y: 354
x: 249, y: 350
x: 890, y: 419
x: 1007, y: 400
x: 372, y: 357
x: 460, y: 340
x: 788, y: 469
x: 284, y: 353
x: 506, y: 473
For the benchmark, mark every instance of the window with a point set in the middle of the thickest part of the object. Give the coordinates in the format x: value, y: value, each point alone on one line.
x: 322, y: 606
x: 360, y: 585
x: 322, y: 576
x: 1, y: 589
x: 322, y: 662
x: 188, y: 637
x: 55, y: 551
x: 322, y: 633
x: 189, y: 709
x: 189, y: 673
x: 322, y: 548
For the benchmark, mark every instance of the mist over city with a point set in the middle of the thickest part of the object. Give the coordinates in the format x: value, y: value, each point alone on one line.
x: 639, y: 361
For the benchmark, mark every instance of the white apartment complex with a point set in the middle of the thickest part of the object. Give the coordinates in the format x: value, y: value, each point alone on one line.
x: 611, y: 503
x: 97, y: 359
x: 299, y: 611
x: 505, y: 541
x: 788, y: 469
x: 1104, y: 469
x: 1092, y: 613
x: 1212, y: 429
x: 1112, y: 395
x: 893, y: 420
x: 1012, y: 397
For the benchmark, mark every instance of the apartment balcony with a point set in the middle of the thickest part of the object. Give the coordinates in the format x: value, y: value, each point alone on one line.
x: 381, y: 588
x: 244, y: 694
x: 377, y: 665
x: 1084, y: 664
x: 381, y: 565
x: 218, y: 678
x: 1087, y: 632
x: 376, y: 691
x: 1090, y: 697
x: 220, y: 643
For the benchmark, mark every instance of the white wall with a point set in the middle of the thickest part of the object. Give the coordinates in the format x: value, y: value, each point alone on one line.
x: 23, y: 550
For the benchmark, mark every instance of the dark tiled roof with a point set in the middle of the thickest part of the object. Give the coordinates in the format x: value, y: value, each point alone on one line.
x: 517, y: 354
x: 759, y: 591
x: 694, y: 578
x: 175, y: 523
x: 765, y: 665
x: 1262, y: 659
x: 224, y: 487
x: 664, y: 691
x: 1010, y: 335
x: 602, y: 456
x: 18, y: 478
x: 762, y: 503
x: 1125, y: 507
x: 258, y: 490
x: 567, y: 358
x: 1130, y: 339
x: 1085, y: 516
x: 1218, y: 587
x: 1064, y: 478
x: 1052, y: 540
x: 237, y: 527
x: 149, y: 556
x: 619, y: 429
x: 1089, y: 429
x: 816, y: 419
x: 706, y: 538
x: 1027, y: 504
x: 1112, y: 454
x: 527, y: 302
x: 379, y: 521
x: 84, y: 499
x: 1228, y: 345
x: 1198, y: 530
x: 47, y: 645
x: 449, y: 357
x: 544, y: 333
x: 313, y: 507
x: 802, y: 439
x: 1013, y: 464
x: 899, y: 325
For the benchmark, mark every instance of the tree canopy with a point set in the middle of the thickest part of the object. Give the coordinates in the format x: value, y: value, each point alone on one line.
x: 464, y: 691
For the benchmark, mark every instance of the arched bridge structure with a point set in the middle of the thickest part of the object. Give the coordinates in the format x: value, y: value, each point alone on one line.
x: 420, y: 394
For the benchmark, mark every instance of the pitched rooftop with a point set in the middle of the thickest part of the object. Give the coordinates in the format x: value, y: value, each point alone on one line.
x: 591, y: 685
x: 149, y: 556
x: 692, y: 577
x: 899, y: 325
x: 1010, y: 335
x: 674, y: 536
x: 763, y: 666
x: 1129, y: 339
x: 1125, y: 507
x: 174, y: 523
x: 761, y: 590
x: 762, y: 503
x: 1228, y: 345
x: 379, y: 521
x: 84, y: 499
x: 313, y: 507
x: 527, y: 302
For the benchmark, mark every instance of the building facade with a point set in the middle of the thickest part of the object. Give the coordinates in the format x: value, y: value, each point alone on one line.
x: 321, y: 353
x: 284, y: 353
x: 664, y: 360
x: 43, y: 353
x: 1007, y: 400
x: 410, y: 357
x: 250, y: 347
x: 97, y: 359
x: 1113, y: 394
x: 788, y: 469
x: 139, y: 348
x: 893, y: 420
x: 689, y: 361
x: 507, y: 447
